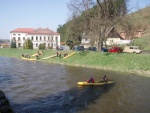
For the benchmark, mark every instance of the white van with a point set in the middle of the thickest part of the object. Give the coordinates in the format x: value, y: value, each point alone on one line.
x: 132, y: 49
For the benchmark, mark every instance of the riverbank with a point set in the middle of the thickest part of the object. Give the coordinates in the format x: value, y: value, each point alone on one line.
x: 122, y: 62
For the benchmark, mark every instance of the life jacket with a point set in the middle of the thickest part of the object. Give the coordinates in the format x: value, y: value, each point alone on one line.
x: 92, y: 80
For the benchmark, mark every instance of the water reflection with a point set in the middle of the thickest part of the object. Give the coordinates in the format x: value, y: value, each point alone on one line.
x: 49, y: 88
x: 69, y: 101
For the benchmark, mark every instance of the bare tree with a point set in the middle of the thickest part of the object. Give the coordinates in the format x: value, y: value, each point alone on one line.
x: 101, y: 16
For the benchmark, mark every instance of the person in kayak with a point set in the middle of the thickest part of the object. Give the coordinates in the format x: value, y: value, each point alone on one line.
x: 104, y: 79
x: 91, y: 80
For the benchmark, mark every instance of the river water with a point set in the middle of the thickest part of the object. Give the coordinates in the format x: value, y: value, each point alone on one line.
x: 35, y: 87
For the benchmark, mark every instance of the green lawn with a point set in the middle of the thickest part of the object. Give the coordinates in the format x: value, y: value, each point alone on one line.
x: 135, y: 63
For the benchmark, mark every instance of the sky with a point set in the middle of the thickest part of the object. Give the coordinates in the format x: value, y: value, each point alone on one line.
x: 41, y: 13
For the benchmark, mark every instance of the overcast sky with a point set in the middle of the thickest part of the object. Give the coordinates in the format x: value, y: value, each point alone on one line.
x: 40, y: 13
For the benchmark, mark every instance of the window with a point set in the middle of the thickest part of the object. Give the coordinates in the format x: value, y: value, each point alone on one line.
x: 23, y: 38
x: 44, y: 38
x: 32, y: 38
x: 40, y: 38
x: 52, y: 38
x: 14, y: 38
x: 111, y: 41
x: 19, y: 44
x: 36, y: 38
x: 86, y: 39
x: 36, y: 44
x: 18, y: 38
x: 48, y: 38
x: 135, y: 48
x: 14, y: 34
x: 18, y: 34
x: 131, y: 47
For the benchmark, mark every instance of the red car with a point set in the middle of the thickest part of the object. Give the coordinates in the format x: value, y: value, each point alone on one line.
x: 115, y: 49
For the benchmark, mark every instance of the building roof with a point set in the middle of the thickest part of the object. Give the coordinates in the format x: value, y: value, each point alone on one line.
x: 112, y: 33
x: 23, y: 30
x: 38, y: 31
x: 44, y: 31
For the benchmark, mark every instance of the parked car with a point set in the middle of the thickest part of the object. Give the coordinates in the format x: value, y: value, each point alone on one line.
x: 116, y: 49
x: 132, y: 49
x: 104, y: 49
x: 79, y: 48
x: 61, y: 48
x: 92, y: 49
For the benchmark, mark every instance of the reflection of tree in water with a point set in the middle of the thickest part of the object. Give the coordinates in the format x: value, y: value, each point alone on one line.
x: 70, y: 101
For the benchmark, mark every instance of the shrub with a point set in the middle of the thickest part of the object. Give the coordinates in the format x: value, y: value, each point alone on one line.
x: 28, y: 44
x: 42, y: 46
x: 13, y: 44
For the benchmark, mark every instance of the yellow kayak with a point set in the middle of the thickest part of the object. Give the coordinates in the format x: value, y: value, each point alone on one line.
x: 93, y: 84
x: 50, y: 57
x: 30, y: 59
x: 69, y: 55
x: 34, y: 54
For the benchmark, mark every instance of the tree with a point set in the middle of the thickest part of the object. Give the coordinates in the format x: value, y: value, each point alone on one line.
x: 62, y: 30
x: 69, y: 43
x: 28, y: 44
x: 13, y: 44
x: 42, y: 46
x: 100, y: 16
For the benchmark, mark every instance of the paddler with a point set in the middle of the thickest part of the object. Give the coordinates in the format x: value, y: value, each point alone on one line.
x: 91, y: 80
x: 104, y: 79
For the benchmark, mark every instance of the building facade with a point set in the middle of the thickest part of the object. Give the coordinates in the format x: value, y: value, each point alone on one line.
x: 112, y: 38
x: 38, y: 36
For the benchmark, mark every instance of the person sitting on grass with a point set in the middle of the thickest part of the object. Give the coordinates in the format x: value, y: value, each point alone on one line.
x: 22, y: 55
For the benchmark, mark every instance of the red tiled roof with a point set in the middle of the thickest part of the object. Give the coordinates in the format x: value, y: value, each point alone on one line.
x: 22, y: 30
x: 35, y: 31
x: 44, y: 31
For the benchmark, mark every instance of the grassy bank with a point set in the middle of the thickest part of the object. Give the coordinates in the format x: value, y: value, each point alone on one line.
x: 135, y: 63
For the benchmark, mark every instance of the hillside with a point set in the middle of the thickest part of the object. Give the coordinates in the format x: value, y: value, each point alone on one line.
x: 143, y: 42
x: 135, y: 22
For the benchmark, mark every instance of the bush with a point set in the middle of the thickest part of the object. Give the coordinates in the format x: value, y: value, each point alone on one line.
x: 28, y: 44
x: 13, y: 44
x: 42, y: 46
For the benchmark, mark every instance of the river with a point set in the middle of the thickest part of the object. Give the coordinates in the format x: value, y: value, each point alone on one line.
x: 35, y: 87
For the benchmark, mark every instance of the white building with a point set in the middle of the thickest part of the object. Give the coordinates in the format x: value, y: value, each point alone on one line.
x: 37, y: 36
x: 112, y: 36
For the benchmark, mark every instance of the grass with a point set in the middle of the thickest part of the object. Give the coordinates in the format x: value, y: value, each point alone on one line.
x: 135, y: 63
x: 143, y: 42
